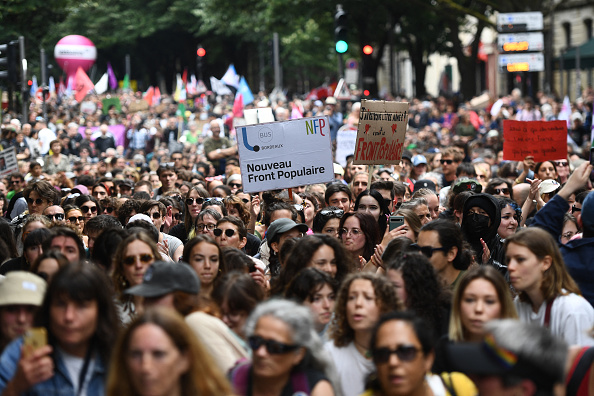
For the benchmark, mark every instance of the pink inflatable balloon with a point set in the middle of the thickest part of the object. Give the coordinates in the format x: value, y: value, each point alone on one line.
x: 73, y: 52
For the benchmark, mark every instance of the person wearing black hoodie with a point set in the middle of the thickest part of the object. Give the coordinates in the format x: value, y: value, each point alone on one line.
x: 480, y: 222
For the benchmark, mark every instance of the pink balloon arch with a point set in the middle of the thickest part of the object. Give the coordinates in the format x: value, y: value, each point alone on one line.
x: 75, y: 51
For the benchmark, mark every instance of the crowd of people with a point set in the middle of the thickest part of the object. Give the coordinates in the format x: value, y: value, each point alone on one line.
x: 152, y: 272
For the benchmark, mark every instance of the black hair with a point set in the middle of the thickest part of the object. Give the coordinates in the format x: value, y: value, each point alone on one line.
x: 306, y: 283
x: 36, y: 237
x: 279, y: 205
x: 335, y: 188
x: 450, y: 236
x: 102, y: 222
x: 215, y: 202
x: 7, y: 235
x: 325, y: 215
x: 383, y: 185
x: 105, y: 247
x: 382, y: 221
x: 62, y: 231
x: 490, y: 189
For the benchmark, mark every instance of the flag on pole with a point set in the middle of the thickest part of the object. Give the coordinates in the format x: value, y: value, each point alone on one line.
x: 61, y: 88
x: 219, y: 87
x: 113, y: 81
x: 238, y: 106
x: 52, y: 85
x: 33, y: 86
x: 245, y: 91
x: 126, y: 85
x: 102, y: 84
x: 191, y: 87
x: 157, y: 97
x: 82, y: 84
x: 565, y: 113
x: 231, y: 77
x: 148, y: 95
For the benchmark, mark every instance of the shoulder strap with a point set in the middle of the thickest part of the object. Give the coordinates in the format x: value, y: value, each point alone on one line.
x: 547, y: 318
x: 239, y: 377
x: 299, y: 382
x: 449, y: 384
x: 584, y: 364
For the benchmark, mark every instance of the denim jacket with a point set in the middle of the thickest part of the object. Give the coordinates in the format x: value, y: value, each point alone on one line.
x: 58, y: 385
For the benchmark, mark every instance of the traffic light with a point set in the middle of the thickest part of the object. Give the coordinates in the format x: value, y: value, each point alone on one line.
x: 369, y: 73
x: 340, y: 30
x: 9, y: 62
x: 201, y: 51
x: 368, y: 50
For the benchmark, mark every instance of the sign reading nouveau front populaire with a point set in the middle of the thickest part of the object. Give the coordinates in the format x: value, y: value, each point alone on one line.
x: 285, y: 154
x: 380, y: 136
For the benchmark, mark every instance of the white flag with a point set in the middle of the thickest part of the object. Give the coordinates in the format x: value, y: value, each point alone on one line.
x: 219, y: 87
x: 102, y: 84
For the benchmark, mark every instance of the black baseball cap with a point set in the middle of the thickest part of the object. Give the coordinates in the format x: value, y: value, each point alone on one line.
x: 166, y: 277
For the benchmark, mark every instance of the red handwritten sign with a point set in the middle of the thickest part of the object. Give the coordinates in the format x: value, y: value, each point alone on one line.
x: 544, y: 140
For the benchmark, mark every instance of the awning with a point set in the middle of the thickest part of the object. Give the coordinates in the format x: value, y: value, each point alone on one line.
x: 586, y: 57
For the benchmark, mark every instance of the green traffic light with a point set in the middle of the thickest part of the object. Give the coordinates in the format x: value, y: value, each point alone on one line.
x: 341, y: 46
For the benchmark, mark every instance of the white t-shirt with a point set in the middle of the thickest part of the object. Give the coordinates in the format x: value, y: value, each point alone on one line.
x: 572, y: 317
x: 351, y: 366
x: 74, y: 366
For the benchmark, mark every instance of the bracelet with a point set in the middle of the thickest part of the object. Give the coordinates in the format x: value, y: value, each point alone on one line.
x: 517, y: 181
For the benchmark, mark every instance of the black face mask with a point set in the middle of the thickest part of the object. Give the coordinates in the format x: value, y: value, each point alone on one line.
x: 477, y: 223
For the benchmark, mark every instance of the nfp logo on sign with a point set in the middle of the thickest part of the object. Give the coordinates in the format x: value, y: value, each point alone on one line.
x: 285, y: 154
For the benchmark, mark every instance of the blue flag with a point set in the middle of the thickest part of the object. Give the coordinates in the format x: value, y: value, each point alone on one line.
x: 245, y: 91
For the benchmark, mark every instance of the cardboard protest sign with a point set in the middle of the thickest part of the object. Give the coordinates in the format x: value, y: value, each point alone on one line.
x: 346, y: 139
x: 285, y: 154
x: 8, y: 162
x: 380, y: 136
x: 544, y: 140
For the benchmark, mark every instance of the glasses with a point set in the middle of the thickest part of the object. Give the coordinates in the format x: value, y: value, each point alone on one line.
x: 498, y: 191
x: 57, y: 216
x: 74, y: 219
x: 190, y: 201
x: 575, y: 209
x: 15, y: 182
x: 108, y: 209
x: 427, y: 251
x: 38, y: 201
x: 328, y: 212
x: 448, y: 161
x: 273, y: 347
x: 178, y: 216
x: 155, y: 215
x: 202, y: 227
x: 86, y: 209
x: 215, y: 199
x: 568, y: 235
x: 144, y: 258
x: 235, y: 185
x: 245, y: 200
x: 228, y: 232
x: 405, y: 353
x: 561, y: 163
x: 177, y: 158
x: 353, y: 231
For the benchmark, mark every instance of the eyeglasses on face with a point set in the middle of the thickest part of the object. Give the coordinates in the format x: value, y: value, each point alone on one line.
x: 228, y: 232
x: 235, y: 185
x: 37, y: 201
x: 561, y: 163
x: 74, y: 219
x: 245, y: 200
x: 405, y: 353
x: 446, y: 161
x: 353, y: 231
x: 335, y: 212
x: 427, y: 251
x: 202, y: 227
x: 86, y: 209
x: 144, y: 258
x: 498, y: 191
x: 155, y: 215
x: 15, y: 182
x: 57, y: 216
x: 273, y: 347
x: 107, y: 209
x: 178, y: 216
x: 190, y: 201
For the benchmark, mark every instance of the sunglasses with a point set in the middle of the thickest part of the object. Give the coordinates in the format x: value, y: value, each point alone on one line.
x: 144, y: 258
x: 177, y: 158
x: 86, y: 209
x: 405, y: 353
x: 448, y: 161
x: 155, y: 215
x: 190, y: 201
x: 228, y: 232
x: 108, y: 209
x: 178, y: 216
x: 501, y: 190
x: 38, y: 201
x: 273, y: 347
x: 57, y: 216
x: 245, y: 200
x: 561, y: 163
x: 15, y: 182
x: 73, y: 219
x: 575, y: 209
x: 427, y: 251
x: 327, y: 212
x: 235, y: 185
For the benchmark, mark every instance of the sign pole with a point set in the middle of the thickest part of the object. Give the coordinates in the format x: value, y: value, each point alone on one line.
x: 291, y: 194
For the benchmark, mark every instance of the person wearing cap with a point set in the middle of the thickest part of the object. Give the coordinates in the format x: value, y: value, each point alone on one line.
x: 279, y: 231
x: 335, y: 118
x: 20, y: 294
x: 419, y: 167
x: 577, y: 254
x: 514, y: 358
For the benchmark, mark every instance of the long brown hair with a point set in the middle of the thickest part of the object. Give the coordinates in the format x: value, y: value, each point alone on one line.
x: 202, y: 377
x: 541, y: 244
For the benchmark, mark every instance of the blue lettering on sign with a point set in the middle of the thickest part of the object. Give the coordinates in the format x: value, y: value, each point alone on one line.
x: 245, y: 141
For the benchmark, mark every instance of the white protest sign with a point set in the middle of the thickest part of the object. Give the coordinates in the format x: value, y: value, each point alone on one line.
x: 285, y: 154
x: 380, y: 136
x: 8, y: 162
x: 345, y: 143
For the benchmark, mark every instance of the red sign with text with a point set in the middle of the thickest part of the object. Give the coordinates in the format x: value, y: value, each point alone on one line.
x: 544, y: 140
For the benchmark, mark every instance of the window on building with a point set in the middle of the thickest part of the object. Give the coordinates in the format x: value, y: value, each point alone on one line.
x: 588, y: 23
x: 567, y: 30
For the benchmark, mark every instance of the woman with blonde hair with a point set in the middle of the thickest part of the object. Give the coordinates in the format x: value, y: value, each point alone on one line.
x: 362, y: 299
x: 133, y: 256
x: 159, y: 354
x: 548, y: 294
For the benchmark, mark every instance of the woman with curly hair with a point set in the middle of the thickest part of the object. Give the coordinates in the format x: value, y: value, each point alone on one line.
x: 316, y: 251
x: 236, y: 207
x: 134, y: 255
x: 362, y: 299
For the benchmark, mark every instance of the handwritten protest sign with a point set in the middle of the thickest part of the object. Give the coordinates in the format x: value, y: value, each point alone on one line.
x: 285, y: 154
x: 8, y: 162
x: 380, y: 136
x: 346, y: 138
x: 544, y: 140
